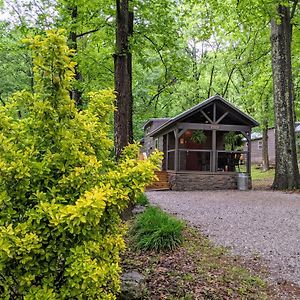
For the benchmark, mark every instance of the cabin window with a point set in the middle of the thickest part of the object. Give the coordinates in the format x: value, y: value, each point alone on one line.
x: 156, y: 143
x: 259, y: 145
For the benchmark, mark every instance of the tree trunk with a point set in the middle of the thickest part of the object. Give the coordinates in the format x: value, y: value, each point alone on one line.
x: 286, y: 172
x: 265, y: 150
x: 265, y: 138
x: 130, y: 33
x: 123, y: 85
x: 76, y: 93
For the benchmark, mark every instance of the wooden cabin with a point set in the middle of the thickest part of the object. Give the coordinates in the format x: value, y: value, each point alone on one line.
x: 203, y: 147
x: 257, y: 145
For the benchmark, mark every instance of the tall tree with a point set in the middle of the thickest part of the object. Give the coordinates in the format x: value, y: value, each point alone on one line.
x: 76, y: 93
x: 286, y: 172
x: 15, y: 63
x: 123, y: 77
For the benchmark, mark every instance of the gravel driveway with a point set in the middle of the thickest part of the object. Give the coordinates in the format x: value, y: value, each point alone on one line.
x: 263, y: 223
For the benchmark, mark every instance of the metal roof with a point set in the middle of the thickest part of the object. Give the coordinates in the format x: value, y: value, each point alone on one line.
x: 254, y: 136
x: 258, y: 135
x: 155, y: 119
x: 200, y: 106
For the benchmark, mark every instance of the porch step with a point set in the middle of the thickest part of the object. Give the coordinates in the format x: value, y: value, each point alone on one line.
x: 162, y: 183
x: 159, y: 185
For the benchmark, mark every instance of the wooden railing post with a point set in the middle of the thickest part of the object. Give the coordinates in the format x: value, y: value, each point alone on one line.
x: 167, y: 152
x: 214, y: 151
x: 176, y: 150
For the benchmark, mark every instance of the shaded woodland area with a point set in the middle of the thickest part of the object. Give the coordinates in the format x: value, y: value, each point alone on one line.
x: 163, y: 57
x: 78, y: 79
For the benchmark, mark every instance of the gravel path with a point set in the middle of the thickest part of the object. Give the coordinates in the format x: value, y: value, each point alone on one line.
x: 263, y: 223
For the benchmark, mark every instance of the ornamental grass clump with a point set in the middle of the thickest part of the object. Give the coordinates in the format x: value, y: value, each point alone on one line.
x: 156, y: 230
x: 61, y: 192
x: 141, y: 199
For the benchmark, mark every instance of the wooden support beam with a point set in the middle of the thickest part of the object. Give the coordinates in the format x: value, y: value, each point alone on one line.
x: 176, y: 150
x: 215, y: 113
x: 246, y: 135
x: 181, y: 132
x: 206, y: 116
x: 167, y: 153
x: 220, y: 127
x: 222, y: 117
x: 214, y: 151
x: 163, y: 132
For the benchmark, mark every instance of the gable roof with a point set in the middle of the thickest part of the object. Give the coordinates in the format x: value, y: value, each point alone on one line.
x: 200, y: 106
x: 162, y: 120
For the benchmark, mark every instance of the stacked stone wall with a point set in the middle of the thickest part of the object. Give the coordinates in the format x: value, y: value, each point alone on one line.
x: 197, y: 181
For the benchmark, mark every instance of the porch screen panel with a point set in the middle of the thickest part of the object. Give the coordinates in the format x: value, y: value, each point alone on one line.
x: 171, y: 141
x: 195, y: 160
x: 171, y: 160
x: 232, y: 161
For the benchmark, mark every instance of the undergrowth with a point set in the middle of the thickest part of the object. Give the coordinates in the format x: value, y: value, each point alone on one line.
x: 156, y: 230
x: 142, y: 199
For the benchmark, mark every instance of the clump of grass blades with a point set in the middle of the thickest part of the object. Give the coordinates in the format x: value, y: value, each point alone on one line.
x: 156, y: 230
x: 142, y: 199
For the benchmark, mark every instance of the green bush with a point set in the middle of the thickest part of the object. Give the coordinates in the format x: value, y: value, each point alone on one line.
x: 141, y: 199
x: 61, y: 193
x: 156, y: 230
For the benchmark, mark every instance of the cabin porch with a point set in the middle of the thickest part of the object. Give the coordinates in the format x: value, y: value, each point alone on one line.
x: 203, y: 147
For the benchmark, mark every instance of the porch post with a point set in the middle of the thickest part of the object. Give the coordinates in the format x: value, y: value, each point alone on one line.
x: 167, y: 153
x: 176, y: 150
x: 214, y: 151
x: 214, y: 141
x: 215, y: 113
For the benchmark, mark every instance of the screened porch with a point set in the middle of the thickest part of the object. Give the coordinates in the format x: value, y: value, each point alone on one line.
x: 206, y: 151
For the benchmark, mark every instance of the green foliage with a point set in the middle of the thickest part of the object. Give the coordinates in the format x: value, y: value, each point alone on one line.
x: 232, y: 140
x: 183, y: 52
x: 156, y: 230
x: 15, y: 63
x: 258, y: 174
x: 141, y: 199
x: 61, y: 192
x: 199, y: 137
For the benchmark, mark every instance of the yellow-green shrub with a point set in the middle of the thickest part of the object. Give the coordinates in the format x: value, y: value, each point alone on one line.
x: 60, y: 190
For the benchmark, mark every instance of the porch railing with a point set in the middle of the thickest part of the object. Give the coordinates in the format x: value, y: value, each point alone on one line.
x: 231, y: 161
x: 202, y: 160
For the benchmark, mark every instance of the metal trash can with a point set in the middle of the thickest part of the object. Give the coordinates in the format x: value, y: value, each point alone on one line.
x: 243, y: 182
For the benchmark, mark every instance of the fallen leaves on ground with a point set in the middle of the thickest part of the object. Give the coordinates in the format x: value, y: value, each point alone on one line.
x: 197, y: 270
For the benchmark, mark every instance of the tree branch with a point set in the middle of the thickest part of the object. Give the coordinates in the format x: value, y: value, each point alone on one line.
x: 161, y: 90
x: 211, y: 80
x: 259, y: 57
x: 295, y: 2
x: 94, y: 30
x: 1, y: 100
x: 87, y: 32
x: 158, y: 52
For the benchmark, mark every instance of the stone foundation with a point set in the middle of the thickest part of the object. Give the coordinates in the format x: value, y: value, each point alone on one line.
x: 191, y: 181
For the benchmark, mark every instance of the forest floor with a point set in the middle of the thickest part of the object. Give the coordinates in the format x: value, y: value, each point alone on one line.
x: 196, y: 270
x: 204, y: 269
x: 262, y: 180
x: 200, y: 270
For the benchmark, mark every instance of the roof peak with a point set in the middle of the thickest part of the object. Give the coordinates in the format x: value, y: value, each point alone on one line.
x: 201, y: 105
